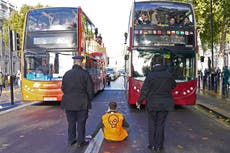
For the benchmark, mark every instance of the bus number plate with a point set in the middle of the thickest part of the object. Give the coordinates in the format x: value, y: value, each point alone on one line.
x: 50, y: 98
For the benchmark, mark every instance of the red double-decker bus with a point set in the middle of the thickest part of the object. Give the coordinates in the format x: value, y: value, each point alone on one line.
x: 165, y: 28
x: 52, y: 36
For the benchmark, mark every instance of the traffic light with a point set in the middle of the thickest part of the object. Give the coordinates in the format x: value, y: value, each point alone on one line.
x: 16, y: 41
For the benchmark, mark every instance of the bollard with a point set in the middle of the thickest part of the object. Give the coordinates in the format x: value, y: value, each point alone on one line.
x: 223, y: 87
x: 212, y: 81
x: 11, y: 90
x: 215, y: 84
x: 204, y: 82
x: 209, y: 82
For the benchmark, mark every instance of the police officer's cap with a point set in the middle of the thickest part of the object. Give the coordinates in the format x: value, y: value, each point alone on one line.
x: 77, y: 57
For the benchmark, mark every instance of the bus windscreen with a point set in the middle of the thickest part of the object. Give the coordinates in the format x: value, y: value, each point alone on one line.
x: 52, y: 19
x: 180, y: 64
x: 45, y: 65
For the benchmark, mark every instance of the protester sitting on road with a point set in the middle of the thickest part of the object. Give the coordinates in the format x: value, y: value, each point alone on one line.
x: 113, y: 124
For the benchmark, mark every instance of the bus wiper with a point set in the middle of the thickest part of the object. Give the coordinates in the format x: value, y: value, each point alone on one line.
x: 60, y: 49
x: 165, y: 49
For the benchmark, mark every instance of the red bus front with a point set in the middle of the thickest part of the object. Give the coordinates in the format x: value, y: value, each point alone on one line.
x: 168, y: 29
x: 184, y: 93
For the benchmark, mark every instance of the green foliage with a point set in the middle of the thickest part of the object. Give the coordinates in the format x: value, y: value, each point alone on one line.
x: 16, y: 22
x: 221, y: 18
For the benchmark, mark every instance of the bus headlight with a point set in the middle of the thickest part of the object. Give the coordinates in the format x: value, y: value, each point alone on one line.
x: 176, y: 92
x: 36, y: 85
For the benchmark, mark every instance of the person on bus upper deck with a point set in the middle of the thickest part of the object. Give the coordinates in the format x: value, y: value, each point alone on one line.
x: 78, y: 89
x: 172, y: 22
x: 166, y: 19
x: 143, y: 19
x: 113, y: 124
x: 136, y: 22
x: 157, y: 90
x: 154, y: 20
x: 178, y: 20
x: 186, y: 22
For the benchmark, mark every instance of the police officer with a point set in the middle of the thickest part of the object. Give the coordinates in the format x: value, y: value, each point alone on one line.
x: 157, y: 90
x: 78, y: 90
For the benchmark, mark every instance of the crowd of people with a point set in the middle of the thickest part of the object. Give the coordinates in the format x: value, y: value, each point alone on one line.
x: 154, y: 19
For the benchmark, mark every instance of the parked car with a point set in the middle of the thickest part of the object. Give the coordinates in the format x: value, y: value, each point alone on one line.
x: 111, y: 73
x: 122, y: 71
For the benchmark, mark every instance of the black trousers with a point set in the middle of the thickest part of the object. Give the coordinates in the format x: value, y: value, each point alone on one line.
x: 80, y: 118
x: 156, y: 125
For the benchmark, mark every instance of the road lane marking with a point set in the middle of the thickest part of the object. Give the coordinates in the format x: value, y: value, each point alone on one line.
x: 95, y: 144
x: 18, y: 107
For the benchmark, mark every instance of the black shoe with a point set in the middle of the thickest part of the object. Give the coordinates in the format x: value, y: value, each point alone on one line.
x: 72, y: 143
x: 159, y: 149
x: 150, y: 147
x: 81, y: 144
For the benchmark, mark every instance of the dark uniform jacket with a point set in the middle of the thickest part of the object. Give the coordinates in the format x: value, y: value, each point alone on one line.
x: 78, y: 89
x: 157, y: 90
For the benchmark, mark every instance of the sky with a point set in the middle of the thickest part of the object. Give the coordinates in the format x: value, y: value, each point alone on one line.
x: 109, y: 16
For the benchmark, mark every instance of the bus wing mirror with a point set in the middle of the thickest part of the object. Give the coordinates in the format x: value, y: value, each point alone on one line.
x: 126, y: 35
x: 107, y: 60
x: 126, y: 57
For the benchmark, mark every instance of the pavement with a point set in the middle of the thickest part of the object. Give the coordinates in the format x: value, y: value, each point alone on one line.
x: 214, y: 102
x: 7, y: 104
x: 5, y: 99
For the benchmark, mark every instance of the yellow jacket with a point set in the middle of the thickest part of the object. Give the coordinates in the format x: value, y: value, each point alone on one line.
x: 113, y: 126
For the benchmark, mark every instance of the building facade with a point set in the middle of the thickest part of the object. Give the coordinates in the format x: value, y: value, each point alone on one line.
x: 7, y: 65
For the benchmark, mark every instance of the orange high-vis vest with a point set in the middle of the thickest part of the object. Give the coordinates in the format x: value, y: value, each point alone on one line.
x: 113, y: 129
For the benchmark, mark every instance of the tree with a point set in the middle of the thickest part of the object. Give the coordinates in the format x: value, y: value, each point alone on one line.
x: 16, y: 22
x: 221, y: 22
x: 225, y: 27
